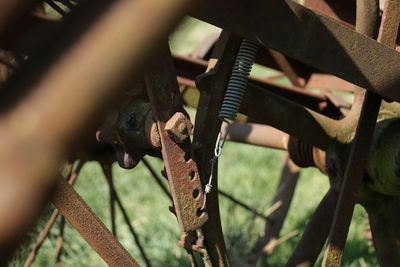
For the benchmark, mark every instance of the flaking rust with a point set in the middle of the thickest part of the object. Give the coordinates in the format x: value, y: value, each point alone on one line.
x: 181, y: 168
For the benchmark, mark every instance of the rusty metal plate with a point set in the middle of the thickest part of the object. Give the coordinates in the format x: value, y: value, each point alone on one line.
x: 181, y: 168
x: 311, y: 38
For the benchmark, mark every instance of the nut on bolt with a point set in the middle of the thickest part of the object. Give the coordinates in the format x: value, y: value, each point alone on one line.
x: 179, y: 127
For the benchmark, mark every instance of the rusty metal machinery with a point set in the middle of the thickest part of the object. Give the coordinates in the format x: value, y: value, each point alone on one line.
x: 133, y: 105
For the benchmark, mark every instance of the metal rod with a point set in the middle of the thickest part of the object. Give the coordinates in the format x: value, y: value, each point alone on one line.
x: 109, y: 177
x: 91, y: 228
x: 49, y: 225
x: 316, y: 232
x: 157, y: 178
x: 60, y: 243
x: 56, y: 7
x: 212, y: 87
x: 24, y: 187
x: 107, y: 170
x: 256, y: 134
x: 361, y: 64
x: 354, y: 172
x: 244, y: 205
x: 352, y: 178
x: 285, y: 66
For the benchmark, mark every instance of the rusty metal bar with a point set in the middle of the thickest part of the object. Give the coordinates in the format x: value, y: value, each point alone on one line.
x: 45, y: 232
x: 256, y: 134
x: 358, y: 59
x: 109, y: 177
x: 303, y: 123
x: 83, y: 219
x: 286, y: 68
x: 343, y: 11
x: 46, y: 116
x: 329, y: 82
x: 354, y: 172
x: 352, y: 178
x: 189, y: 68
x: 212, y: 86
x: 11, y: 11
x: 181, y: 167
x: 316, y: 233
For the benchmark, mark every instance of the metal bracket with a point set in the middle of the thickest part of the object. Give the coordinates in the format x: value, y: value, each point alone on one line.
x: 181, y: 168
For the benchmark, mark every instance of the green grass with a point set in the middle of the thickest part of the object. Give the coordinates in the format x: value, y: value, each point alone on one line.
x: 247, y: 172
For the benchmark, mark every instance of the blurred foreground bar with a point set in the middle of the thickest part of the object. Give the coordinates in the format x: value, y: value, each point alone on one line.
x: 64, y: 96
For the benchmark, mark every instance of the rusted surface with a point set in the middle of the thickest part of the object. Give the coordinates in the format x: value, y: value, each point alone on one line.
x: 83, y: 219
x: 180, y: 165
x: 49, y: 225
x: 311, y: 38
x: 179, y: 127
x: 303, y: 123
x: 329, y: 82
x: 12, y: 10
x: 315, y: 118
x: 131, y: 129
x: 354, y: 172
x: 285, y: 66
x: 305, y: 155
x: 343, y: 11
x: 256, y: 134
x: 212, y: 86
x: 107, y: 171
x: 24, y: 187
x: 188, y: 68
x: 316, y: 233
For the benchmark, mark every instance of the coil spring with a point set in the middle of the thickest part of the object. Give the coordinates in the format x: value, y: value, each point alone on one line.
x: 238, y: 81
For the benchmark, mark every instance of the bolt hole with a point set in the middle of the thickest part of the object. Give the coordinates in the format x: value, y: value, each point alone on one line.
x: 199, y: 212
x: 187, y: 156
x: 195, y: 193
x: 191, y: 175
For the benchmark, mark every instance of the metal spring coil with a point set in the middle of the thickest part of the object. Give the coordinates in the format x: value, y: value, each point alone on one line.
x: 238, y: 82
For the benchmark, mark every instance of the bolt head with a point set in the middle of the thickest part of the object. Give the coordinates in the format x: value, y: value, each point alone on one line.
x: 178, y: 127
